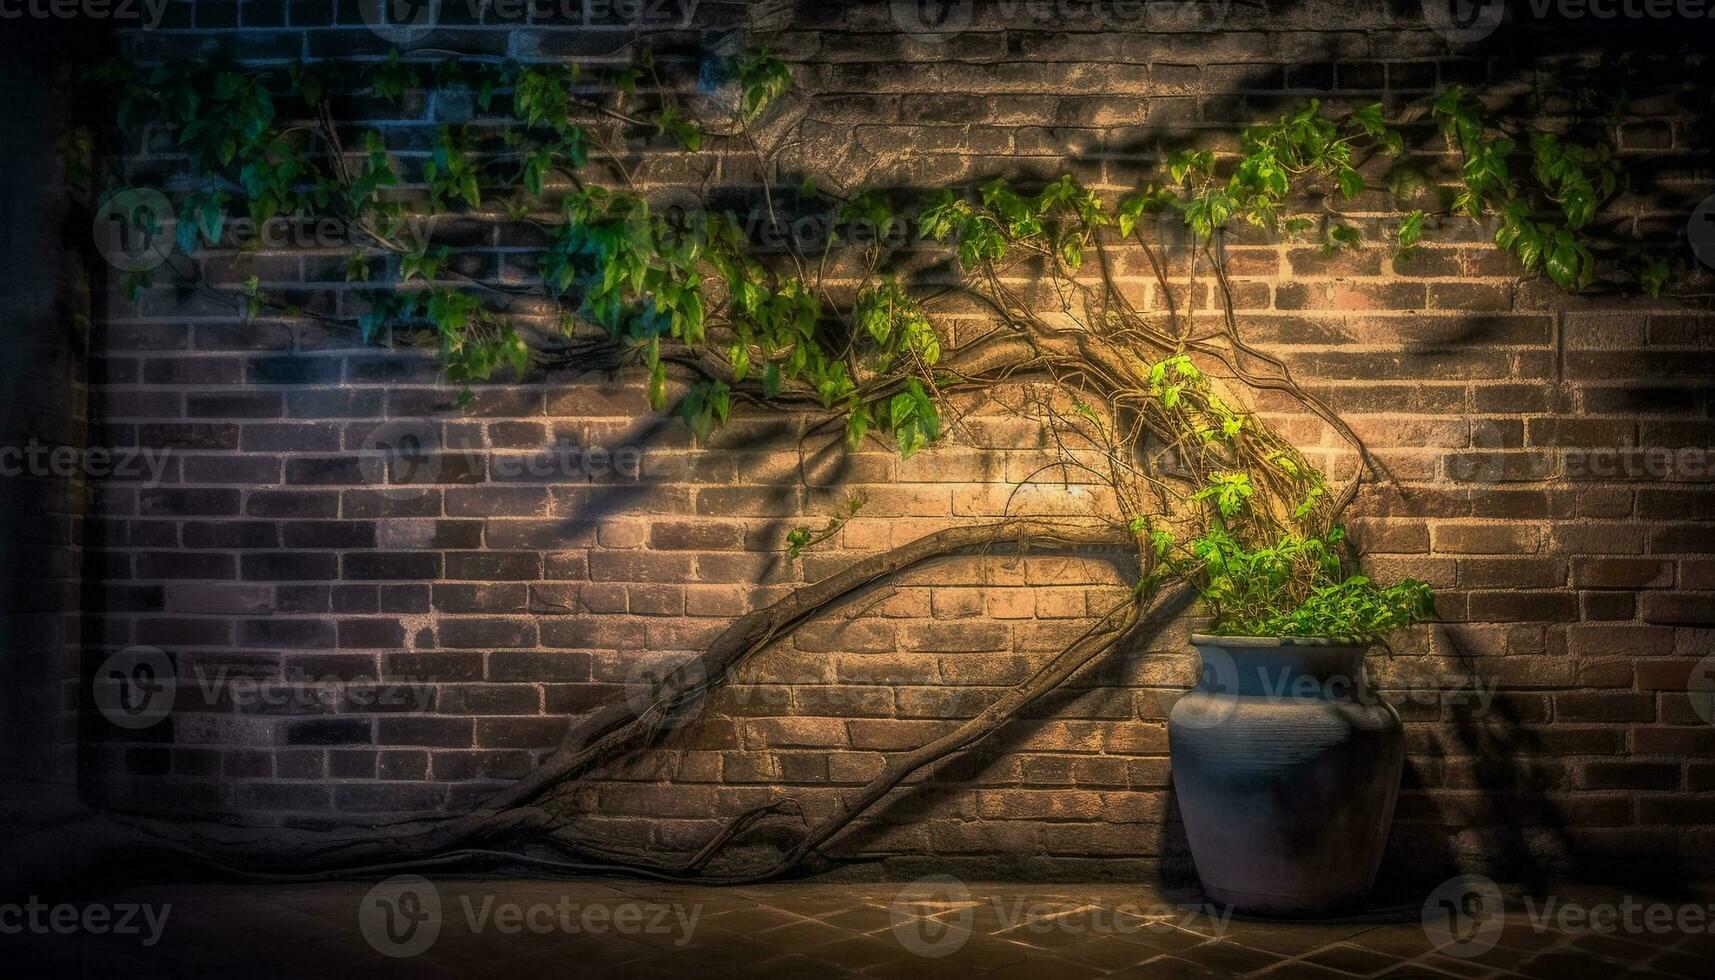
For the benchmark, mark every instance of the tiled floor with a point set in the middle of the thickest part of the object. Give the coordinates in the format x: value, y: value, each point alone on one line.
x: 520, y: 929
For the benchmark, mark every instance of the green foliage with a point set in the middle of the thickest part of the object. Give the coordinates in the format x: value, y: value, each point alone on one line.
x: 392, y: 78
x: 1411, y: 229
x: 1354, y: 608
x: 914, y: 418
x: 1294, y: 586
x: 801, y: 538
x: 691, y: 284
x: 706, y: 405
x: 1275, y: 159
x: 1257, y: 582
x: 762, y: 79
x: 1229, y: 491
x: 1541, y: 220
x: 897, y: 325
x: 797, y: 540
x: 450, y: 173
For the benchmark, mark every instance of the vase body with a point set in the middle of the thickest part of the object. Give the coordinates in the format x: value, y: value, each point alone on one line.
x: 1286, y: 766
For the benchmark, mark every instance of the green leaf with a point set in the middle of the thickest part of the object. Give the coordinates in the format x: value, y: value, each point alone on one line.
x: 1351, y: 182
x: 797, y: 540
x: 658, y: 387
x: 1411, y: 229
x: 1339, y: 237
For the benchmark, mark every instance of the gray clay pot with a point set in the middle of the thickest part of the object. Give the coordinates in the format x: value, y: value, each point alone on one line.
x: 1286, y: 766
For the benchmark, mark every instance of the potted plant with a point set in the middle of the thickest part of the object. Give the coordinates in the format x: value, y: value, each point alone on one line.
x: 1285, y: 762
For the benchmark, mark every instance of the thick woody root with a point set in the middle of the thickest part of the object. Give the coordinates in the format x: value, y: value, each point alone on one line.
x: 1120, y: 629
x: 615, y: 730
x: 607, y: 735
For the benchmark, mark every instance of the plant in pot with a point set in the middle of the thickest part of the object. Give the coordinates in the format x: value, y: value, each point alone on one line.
x: 1285, y: 762
x: 1107, y: 318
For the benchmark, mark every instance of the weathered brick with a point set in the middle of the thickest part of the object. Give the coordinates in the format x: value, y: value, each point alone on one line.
x: 1585, y: 593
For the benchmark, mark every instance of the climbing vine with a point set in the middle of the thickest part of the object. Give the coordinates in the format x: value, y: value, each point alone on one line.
x: 1141, y: 395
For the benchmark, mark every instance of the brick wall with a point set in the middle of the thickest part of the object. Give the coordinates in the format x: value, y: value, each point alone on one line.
x: 520, y: 600
x: 44, y: 298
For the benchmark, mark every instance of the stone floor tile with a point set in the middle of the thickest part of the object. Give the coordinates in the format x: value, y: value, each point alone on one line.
x: 828, y: 931
x: 1355, y: 960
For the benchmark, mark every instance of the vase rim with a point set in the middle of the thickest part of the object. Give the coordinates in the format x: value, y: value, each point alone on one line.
x: 1211, y: 639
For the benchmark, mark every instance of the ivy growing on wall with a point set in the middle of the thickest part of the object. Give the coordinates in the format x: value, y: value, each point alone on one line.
x: 1142, y: 395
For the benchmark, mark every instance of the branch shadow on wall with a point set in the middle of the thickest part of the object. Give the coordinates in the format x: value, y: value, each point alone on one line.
x: 1518, y: 813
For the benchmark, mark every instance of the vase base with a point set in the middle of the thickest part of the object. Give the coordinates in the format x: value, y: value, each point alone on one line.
x: 1260, y: 904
